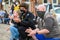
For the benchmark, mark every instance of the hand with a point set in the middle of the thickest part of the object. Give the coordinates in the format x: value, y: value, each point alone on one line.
x: 17, y: 19
x: 11, y: 17
x: 33, y: 32
x: 28, y: 30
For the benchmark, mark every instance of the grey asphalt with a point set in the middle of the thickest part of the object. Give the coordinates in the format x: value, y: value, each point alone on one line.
x: 4, y: 34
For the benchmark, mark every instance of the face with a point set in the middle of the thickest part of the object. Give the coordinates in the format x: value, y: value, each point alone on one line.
x: 41, y: 14
x: 15, y: 14
x: 16, y: 17
x: 41, y: 8
x: 23, y: 10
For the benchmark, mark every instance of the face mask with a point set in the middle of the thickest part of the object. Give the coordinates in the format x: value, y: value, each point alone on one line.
x: 41, y: 14
x: 22, y: 11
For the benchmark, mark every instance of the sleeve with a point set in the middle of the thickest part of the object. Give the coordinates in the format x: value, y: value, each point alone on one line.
x: 49, y: 24
x: 12, y: 21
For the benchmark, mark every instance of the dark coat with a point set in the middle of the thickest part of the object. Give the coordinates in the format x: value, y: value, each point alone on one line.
x: 28, y: 20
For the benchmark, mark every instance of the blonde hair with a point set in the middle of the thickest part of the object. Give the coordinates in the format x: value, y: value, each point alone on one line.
x: 18, y: 11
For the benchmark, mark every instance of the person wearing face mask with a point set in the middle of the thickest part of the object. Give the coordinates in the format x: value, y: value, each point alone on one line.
x: 50, y: 31
x: 27, y: 18
x: 41, y: 9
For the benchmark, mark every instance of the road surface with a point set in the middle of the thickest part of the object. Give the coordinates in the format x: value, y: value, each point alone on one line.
x: 4, y: 34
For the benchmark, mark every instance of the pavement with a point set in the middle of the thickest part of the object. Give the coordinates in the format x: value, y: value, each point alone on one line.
x: 4, y: 34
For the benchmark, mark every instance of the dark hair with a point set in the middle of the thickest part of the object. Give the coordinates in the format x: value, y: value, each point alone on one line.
x: 1, y: 6
x: 5, y: 11
x: 26, y: 6
x: 18, y: 2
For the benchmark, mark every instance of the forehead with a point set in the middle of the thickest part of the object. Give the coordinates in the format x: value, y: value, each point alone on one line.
x: 22, y: 8
x: 41, y: 7
x: 15, y: 12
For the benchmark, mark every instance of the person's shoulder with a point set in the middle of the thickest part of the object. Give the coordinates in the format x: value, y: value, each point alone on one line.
x: 30, y: 13
x: 49, y: 19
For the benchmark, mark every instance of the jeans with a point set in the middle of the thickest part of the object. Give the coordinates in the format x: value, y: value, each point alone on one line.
x: 1, y: 20
x: 6, y: 20
x: 14, y: 33
x: 42, y: 37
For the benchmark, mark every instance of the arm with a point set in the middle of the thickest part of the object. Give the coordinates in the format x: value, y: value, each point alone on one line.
x: 43, y: 31
x: 48, y: 26
x: 47, y: 29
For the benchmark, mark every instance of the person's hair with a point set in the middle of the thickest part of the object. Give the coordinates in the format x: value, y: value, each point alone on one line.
x: 26, y: 6
x: 18, y: 11
x: 1, y: 6
x: 5, y: 11
x: 19, y: 2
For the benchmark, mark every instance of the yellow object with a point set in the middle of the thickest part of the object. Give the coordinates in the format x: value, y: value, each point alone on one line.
x: 16, y: 7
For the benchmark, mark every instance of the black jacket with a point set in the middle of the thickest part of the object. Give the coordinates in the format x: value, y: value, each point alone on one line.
x: 28, y: 20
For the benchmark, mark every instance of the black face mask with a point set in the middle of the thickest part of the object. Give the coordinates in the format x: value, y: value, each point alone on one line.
x: 41, y: 14
x: 22, y: 11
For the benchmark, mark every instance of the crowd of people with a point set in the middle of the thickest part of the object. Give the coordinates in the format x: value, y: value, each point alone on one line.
x: 4, y: 17
x: 23, y: 23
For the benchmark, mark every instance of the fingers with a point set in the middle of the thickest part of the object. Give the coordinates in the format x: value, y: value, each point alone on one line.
x: 29, y: 35
x: 17, y: 20
x: 32, y: 33
x: 28, y: 31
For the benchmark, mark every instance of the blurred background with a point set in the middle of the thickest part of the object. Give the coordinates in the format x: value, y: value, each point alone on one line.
x: 5, y: 6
